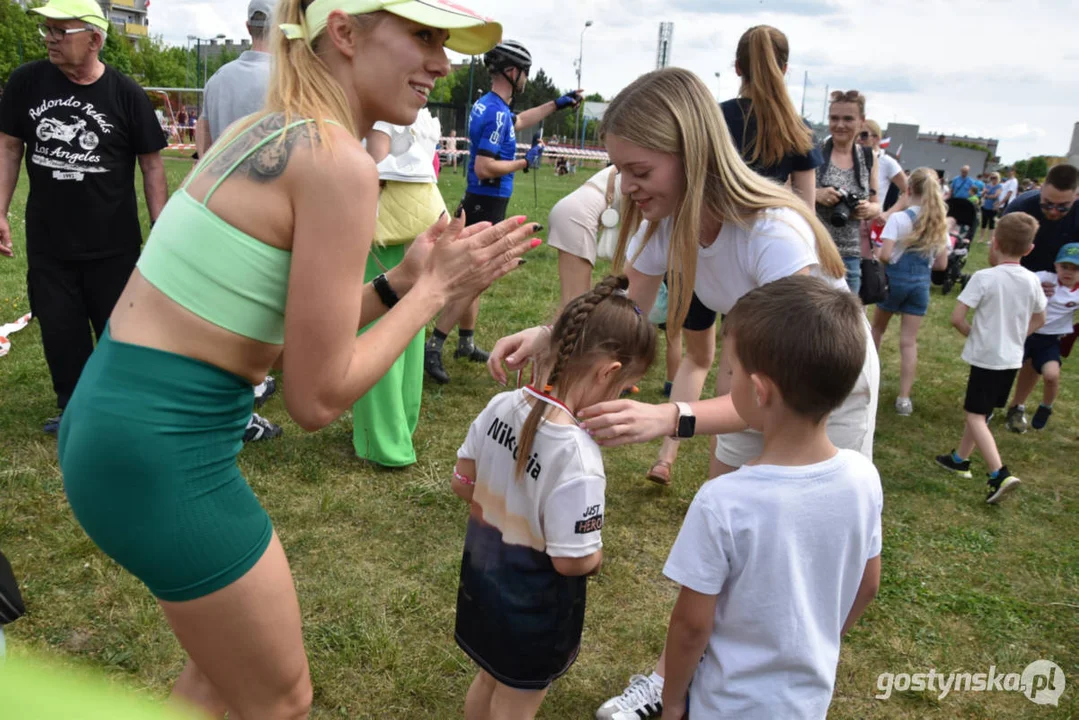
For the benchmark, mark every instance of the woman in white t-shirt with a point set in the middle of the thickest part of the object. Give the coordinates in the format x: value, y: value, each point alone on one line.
x: 889, y: 171
x: 384, y: 419
x: 710, y: 218
x: 914, y: 242
x: 733, y: 232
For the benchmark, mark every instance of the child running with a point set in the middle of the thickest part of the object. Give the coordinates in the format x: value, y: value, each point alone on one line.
x: 535, y: 482
x: 1009, y: 306
x: 778, y: 559
x: 1041, y: 354
x: 915, y: 242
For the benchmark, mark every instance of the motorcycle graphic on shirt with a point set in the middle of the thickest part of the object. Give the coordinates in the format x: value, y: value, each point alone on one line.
x: 50, y: 128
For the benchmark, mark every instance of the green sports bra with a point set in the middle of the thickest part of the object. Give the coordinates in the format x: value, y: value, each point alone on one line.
x: 207, y: 266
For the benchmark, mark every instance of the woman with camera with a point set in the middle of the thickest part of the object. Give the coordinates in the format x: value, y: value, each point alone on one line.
x: 847, y: 183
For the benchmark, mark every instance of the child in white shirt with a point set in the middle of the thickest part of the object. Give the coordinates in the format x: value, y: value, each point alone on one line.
x: 779, y: 558
x: 1041, y: 353
x: 1009, y: 306
x: 534, y: 481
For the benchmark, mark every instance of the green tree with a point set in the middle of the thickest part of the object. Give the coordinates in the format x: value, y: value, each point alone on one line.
x: 117, y: 52
x: 19, y: 39
x: 155, y: 64
x: 1038, y: 168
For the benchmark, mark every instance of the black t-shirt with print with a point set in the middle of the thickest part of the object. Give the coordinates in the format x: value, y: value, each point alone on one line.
x: 743, y: 133
x: 82, y: 142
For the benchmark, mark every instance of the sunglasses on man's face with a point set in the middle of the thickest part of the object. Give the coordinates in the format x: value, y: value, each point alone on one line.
x: 1058, y: 207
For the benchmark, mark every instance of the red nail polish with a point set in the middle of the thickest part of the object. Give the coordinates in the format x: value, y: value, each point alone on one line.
x: 535, y: 243
x: 521, y: 220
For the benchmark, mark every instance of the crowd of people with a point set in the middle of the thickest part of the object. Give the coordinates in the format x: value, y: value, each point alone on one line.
x: 318, y: 163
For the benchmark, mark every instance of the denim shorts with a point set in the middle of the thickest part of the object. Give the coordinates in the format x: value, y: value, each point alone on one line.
x: 908, y: 286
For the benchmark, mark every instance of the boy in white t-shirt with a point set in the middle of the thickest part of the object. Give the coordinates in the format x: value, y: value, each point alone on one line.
x: 1041, y: 354
x: 1009, y: 306
x: 778, y: 559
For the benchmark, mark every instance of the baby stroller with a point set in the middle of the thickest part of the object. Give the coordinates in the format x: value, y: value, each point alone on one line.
x: 965, y: 215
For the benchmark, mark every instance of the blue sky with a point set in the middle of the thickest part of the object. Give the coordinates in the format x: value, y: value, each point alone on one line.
x: 1008, y: 70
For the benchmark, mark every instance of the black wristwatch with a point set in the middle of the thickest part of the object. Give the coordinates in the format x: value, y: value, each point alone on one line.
x: 385, y: 293
x: 687, y: 421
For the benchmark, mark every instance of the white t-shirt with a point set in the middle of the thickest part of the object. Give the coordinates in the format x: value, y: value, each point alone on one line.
x: 557, y: 506
x: 887, y: 168
x: 1004, y: 298
x: 785, y: 549
x: 898, y: 227
x: 1059, y: 309
x: 777, y: 245
x: 1011, y: 185
x: 412, y: 150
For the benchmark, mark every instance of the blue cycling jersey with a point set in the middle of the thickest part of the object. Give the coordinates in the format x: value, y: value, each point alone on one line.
x: 491, y: 133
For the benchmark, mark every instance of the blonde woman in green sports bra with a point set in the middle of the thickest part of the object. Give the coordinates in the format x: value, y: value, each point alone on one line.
x: 259, y: 260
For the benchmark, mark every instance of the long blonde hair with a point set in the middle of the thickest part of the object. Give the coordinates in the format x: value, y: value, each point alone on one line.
x: 672, y: 111
x: 929, y: 236
x: 762, y: 57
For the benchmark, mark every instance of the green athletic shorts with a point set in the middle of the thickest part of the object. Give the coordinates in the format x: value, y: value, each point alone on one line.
x: 148, y: 448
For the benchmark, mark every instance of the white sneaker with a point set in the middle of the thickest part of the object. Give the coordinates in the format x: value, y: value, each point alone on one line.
x: 904, y: 407
x: 641, y: 700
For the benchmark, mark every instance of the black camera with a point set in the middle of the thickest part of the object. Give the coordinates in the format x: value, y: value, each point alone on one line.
x: 841, y: 211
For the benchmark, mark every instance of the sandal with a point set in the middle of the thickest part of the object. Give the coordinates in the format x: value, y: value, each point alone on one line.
x: 660, y: 473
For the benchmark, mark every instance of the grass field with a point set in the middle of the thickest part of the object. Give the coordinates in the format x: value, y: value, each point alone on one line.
x: 375, y: 554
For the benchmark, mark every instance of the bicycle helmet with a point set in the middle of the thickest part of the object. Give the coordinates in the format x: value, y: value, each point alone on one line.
x: 508, y: 54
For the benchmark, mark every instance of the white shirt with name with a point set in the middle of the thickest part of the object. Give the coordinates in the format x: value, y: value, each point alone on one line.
x: 776, y: 244
x: 1003, y: 298
x: 785, y: 549
x: 1059, y: 309
x: 557, y: 506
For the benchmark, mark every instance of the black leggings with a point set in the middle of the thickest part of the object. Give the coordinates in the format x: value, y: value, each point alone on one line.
x: 68, y: 299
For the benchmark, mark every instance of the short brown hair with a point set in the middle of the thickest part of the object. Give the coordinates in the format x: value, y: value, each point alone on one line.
x: 1063, y: 177
x: 806, y: 336
x: 1015, y: 233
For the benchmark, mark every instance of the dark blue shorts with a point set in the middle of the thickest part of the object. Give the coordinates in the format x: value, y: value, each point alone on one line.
x: 1041, y: 349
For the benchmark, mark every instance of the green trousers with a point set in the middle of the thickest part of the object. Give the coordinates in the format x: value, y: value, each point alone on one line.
x: 384, y: 419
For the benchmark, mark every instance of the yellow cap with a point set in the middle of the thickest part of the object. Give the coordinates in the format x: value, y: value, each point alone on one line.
x: 470, y: 32
x: 88, y: 11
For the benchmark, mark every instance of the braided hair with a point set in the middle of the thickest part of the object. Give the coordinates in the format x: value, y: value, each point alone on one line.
x: 601, y: 324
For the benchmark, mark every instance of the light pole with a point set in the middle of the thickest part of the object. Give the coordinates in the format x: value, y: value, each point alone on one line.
x: 205, y: 65
x: 580, y: 59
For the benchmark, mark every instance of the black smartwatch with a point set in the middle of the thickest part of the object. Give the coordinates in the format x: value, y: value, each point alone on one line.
x: 687, y: 421
x: 385, y: 293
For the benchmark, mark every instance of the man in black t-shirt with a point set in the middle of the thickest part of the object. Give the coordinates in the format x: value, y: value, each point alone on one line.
x: 81, y: 125
x: 1057, y: 213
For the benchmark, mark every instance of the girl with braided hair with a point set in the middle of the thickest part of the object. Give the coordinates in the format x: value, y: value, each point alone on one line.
x: 535, y: 484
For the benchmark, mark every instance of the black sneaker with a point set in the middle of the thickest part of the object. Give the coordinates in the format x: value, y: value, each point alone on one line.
x: 1001, y: 485
x: 432, y: 363
x: 1041, y: 417
x: 264, y: 391
x: 52, y: 425
x: 259, y: 428
x: 471, y: 352
x: 962, y: 469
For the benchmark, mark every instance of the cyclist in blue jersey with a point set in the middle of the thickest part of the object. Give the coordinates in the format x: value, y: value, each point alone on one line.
x: 492, y: 162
